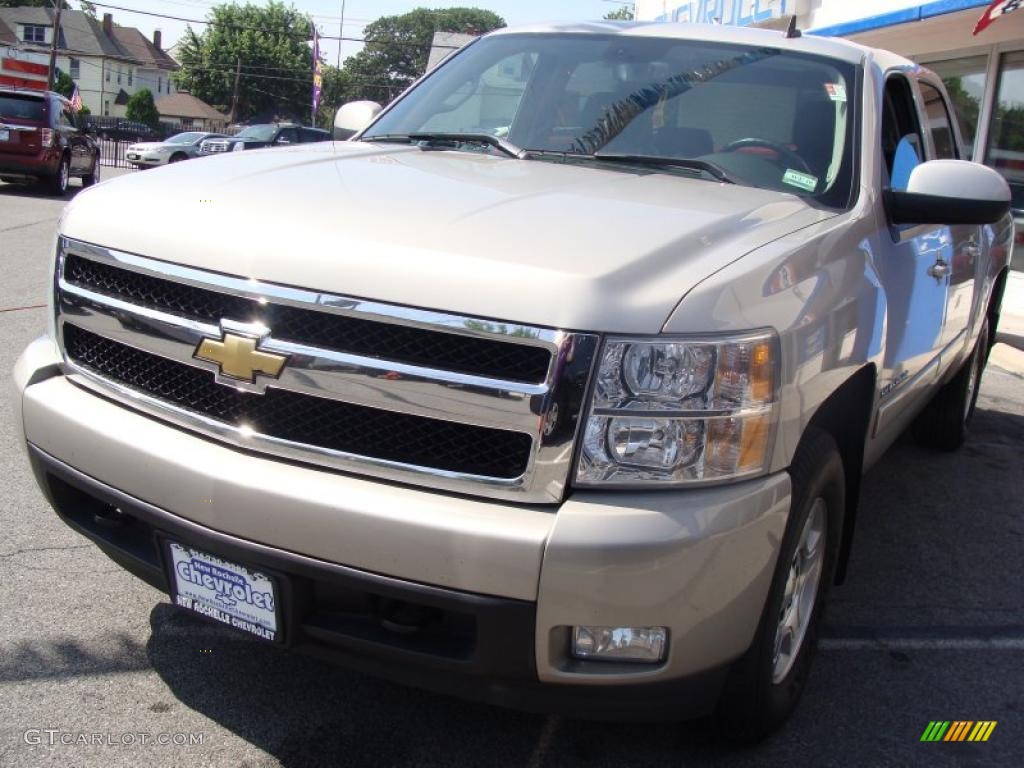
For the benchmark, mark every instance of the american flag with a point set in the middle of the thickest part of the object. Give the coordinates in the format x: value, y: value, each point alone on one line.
x: 995, y: 10
x: 76, y: 100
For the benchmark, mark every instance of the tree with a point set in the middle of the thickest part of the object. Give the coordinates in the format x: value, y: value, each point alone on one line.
x: 63, y: 84
x: 271, y: 44
x: 398, y: 47
x: 625, y: 13
x: 141, y: 108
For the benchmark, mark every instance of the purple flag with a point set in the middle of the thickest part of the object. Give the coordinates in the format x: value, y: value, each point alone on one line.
x: 318, y: 79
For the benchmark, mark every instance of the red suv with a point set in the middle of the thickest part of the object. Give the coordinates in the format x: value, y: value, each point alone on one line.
x: 41, y: 139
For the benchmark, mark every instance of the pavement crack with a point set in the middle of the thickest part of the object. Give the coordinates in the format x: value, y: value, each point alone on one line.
x: 52, y: 219
x: 26, y: 550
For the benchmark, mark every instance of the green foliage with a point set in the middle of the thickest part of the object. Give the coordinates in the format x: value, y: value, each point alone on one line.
x: 625, y: 13
x: 87, y: 8
x: 271, y: 42
x: 398, y: 48
x: 63, y: 84
x: 140, y: 107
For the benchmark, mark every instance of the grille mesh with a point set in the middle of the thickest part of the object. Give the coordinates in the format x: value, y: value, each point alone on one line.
x: 385, y: 341
x: 339, y: 426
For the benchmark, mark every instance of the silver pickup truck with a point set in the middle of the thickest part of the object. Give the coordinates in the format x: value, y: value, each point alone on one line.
x: 552, y: 386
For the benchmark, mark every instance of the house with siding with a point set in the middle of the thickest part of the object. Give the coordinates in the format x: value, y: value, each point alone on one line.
x: 108, y: 62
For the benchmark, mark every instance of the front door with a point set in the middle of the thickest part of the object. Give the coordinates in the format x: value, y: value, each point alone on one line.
x: 958, y: 273
x: 916, y: 291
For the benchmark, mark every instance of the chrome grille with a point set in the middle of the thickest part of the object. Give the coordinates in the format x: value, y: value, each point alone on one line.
x: 211, y: 147
x: 451, y: 402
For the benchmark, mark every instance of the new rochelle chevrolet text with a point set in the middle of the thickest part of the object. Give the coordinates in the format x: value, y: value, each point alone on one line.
x: 552, y: 386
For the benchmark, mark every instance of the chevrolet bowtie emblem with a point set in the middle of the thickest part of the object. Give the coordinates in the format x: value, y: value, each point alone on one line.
x: 238, y: 358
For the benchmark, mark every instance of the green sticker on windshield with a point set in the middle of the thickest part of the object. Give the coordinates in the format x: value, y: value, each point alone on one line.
x: 805, y: 181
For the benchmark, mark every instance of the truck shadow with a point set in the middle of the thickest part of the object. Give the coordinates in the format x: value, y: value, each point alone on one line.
x: 911, y: 538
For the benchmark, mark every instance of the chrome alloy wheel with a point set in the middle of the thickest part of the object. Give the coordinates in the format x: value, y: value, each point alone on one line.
x: 802, y: 582
x: 65, y: 174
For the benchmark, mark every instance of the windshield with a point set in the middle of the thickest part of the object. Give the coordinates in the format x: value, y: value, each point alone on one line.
x: 258, y: 132
x: 762, y: 116
x: 190, y: 137
x: 21, y: 107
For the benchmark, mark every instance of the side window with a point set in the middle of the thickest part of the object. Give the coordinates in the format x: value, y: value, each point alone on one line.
x: 902, y: 147
x: 286, y: 136
x: 939, y: 124
x: 63, y: 115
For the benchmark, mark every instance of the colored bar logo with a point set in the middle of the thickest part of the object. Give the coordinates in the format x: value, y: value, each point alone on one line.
x: 958, y: 730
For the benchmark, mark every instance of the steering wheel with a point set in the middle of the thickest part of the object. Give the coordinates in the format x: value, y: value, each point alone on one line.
x: 791, y: 158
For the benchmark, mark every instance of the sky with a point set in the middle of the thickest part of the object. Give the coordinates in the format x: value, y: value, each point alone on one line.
x: 358, y: 13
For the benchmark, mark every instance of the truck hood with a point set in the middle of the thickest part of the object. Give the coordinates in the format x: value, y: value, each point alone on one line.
x: 527, y: 241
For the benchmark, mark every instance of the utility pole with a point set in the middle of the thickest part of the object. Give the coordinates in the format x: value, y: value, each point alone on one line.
x: 53, y: 47
x: 234, y: 98
x: 341, y: 31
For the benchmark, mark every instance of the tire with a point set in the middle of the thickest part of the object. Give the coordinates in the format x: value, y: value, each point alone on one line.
x: 946, y: 420
x: 178, y: 157
x: 765, y: 684
x: 94, y: 174
x: 58, y: 183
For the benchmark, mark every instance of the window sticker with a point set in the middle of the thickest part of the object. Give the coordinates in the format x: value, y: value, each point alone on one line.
x: 836, y: 91
x: 804, y: 181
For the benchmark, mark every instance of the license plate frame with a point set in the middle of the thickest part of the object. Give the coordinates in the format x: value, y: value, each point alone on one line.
x: 197, y: 599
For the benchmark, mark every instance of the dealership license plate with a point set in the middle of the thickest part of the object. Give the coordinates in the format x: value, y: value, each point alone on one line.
x: 227, y: 592
x: 5, y: 135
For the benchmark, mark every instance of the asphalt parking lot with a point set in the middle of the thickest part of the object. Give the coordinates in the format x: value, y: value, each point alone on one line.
x: 929, y: 626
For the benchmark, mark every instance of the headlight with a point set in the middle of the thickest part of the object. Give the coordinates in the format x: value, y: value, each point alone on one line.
x: 671, y: 412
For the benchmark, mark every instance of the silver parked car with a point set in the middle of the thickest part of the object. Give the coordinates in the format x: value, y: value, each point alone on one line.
x: 554, y: 385
x: 179, y: 147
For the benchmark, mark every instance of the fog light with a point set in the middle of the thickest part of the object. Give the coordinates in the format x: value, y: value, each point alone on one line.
x: 642, y: 644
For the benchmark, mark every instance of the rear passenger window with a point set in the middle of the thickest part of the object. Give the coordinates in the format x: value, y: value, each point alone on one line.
x: 939, y: 124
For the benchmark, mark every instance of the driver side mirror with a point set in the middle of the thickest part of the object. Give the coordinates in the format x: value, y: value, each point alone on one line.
x: 949, y: 192
x: 353, y: 117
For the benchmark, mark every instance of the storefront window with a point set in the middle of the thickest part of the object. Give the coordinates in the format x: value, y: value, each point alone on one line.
x: 965, y: 81
x: 1006, y: 138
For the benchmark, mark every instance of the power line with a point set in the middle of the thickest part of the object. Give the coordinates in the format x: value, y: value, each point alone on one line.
x: 365, y: 41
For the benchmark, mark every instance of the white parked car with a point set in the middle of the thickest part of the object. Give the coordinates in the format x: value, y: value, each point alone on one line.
x: 179, y: 147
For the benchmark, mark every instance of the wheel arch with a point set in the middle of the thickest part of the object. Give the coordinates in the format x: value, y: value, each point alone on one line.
x: 846, y: 416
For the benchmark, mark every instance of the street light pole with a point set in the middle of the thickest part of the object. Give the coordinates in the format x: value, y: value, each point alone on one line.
x: 341, y: 31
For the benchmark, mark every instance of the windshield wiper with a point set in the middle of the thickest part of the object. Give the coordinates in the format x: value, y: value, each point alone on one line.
x: 497, y: 142
x: 705, y: 166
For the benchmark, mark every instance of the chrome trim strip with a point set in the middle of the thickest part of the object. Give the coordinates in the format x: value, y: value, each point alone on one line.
x: 550, y: 411
x: 260, y: 291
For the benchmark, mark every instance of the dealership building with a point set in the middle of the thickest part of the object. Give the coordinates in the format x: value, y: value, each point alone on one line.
x: 984, y: 73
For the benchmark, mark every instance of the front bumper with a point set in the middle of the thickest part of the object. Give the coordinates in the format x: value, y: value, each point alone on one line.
x: 697, y: 561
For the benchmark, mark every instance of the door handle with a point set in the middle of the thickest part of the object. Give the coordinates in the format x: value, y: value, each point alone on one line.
x: 939, y: 270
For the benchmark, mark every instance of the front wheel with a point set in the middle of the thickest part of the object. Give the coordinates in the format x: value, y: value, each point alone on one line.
x: 765, y: 684
x: 178, y: 157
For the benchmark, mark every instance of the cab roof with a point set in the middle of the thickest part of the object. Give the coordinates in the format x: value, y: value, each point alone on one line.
x: 829, y: 47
